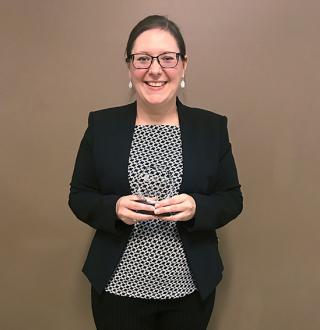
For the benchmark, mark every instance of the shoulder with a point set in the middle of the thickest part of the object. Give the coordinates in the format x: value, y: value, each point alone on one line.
x: 113, y: 112
x: 204, y: 113
x: 113, y: 118
x: 203, y: 117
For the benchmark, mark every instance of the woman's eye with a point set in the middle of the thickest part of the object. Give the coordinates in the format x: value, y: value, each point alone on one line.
x: 143, y: 58
x: 167, y: 58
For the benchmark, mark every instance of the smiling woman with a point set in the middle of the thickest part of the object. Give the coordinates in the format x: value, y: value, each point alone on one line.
x: 156, y: 69
x: 155, y: 178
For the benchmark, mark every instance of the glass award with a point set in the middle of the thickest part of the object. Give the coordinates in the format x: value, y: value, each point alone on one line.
x: 154, y: 184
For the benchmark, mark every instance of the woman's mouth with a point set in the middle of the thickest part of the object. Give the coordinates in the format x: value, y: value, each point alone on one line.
x: 155, y: 84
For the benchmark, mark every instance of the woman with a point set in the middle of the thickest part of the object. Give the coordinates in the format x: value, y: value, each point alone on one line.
x: 155, y: 178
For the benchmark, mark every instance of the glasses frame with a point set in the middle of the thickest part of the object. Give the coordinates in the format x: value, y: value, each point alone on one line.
x: 131, y: 58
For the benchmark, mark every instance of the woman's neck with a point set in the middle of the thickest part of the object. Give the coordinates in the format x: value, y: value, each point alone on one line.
x: 157, y: 114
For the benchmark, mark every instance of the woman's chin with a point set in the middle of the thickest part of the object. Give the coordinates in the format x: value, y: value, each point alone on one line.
x: 156, y: 100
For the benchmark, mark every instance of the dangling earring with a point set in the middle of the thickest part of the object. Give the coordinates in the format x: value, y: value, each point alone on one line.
x: 183, y: 83
x: 130, y: 84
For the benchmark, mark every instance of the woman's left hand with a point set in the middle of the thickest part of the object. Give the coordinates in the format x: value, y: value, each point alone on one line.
x: 183, y: 205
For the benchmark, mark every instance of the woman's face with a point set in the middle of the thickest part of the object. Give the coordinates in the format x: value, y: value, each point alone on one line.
x: 156, y: 85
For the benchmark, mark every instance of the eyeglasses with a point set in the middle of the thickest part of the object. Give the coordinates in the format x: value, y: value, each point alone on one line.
x: 144, y: 61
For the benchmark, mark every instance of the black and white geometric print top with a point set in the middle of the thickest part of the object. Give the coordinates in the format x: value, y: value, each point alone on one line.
x: 154, y: 264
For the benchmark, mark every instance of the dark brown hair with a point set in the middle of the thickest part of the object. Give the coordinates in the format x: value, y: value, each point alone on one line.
x: 156, y: 22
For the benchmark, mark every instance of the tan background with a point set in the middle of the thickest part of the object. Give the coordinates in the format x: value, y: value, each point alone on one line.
x: 255, y: 61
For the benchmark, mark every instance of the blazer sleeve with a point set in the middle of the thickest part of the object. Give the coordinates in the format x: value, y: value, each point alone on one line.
x: 225, y: 202
x: 85, y: 199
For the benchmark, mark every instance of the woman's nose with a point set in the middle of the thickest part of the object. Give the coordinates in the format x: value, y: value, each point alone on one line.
x: 155, y: 67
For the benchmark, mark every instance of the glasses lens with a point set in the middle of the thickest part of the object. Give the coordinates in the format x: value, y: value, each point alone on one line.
x: 141, y: 61
x: 168, y: 60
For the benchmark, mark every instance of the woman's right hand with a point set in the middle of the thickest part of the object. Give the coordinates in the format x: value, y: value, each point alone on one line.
x: 128, y: 207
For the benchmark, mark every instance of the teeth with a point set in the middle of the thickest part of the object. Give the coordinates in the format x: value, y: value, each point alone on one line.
x: 155, y: 84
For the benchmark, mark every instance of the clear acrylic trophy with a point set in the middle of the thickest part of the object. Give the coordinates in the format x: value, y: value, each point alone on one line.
x: 154, y: 183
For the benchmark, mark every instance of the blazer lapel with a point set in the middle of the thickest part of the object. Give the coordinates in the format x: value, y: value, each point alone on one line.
x: 123, y: 135
x: 188, y: 146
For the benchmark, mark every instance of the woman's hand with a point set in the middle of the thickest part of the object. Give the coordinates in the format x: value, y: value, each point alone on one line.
x: 128, y: 207
x: 183, y: 205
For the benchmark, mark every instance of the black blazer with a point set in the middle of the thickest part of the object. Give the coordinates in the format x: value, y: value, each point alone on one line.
x: 100, y: 177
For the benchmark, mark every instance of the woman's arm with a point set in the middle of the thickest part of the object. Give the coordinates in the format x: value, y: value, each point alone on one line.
x: 225, y: 202
x: 207, y: 212
x: 85, y: 199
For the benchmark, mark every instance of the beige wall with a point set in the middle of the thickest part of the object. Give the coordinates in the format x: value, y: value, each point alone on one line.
x: 255, y: 61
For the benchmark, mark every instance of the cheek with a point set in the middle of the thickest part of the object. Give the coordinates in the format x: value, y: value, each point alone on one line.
x: 175, y: 78
x: 176, y: 75
x: 137, y: 75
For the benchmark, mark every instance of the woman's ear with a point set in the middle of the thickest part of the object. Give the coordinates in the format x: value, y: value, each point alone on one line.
x: 185, y: 63
x: 130, y: 85
x: 129, y: 72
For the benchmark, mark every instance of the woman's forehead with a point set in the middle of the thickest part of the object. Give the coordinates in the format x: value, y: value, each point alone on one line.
x: 154, y: 42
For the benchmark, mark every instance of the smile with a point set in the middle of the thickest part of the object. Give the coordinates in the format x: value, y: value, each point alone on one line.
x: 155, y: 83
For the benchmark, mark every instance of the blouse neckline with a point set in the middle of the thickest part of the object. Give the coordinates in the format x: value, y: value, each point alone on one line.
x: 156, y: 125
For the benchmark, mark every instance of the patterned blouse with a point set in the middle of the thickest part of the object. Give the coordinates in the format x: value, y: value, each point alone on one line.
x: 154, y: 264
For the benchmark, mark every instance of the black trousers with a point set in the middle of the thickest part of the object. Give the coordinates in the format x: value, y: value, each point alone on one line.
x: 113, y: 312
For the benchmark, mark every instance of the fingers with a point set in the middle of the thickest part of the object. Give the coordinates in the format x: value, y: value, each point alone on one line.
x: 182, y: 206
x: 140, y: 205
x: 181, y: 216
x: 128, y: 207
x: 170, y: 209
x: 132, y: 208
x: 177, y: 199
x: 138, y: 216
x: 135, y: 203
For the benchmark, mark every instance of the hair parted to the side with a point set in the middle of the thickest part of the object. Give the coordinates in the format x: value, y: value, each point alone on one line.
x: 156, y: 22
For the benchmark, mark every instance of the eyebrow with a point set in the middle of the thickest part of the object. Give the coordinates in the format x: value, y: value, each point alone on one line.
x: 147, y: 53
